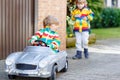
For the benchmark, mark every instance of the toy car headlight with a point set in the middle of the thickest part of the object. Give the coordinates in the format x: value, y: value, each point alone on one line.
x: 43, y: 64
x: 9, y: 61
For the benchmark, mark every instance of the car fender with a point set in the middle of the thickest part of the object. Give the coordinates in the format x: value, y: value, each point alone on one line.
x: 14, y: 55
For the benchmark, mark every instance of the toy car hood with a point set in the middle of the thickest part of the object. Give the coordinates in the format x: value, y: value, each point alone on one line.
x: 34, y: 54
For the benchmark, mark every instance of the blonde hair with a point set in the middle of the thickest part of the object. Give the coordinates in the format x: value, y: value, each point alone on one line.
x: 50, y: 20
x: 84, y: 1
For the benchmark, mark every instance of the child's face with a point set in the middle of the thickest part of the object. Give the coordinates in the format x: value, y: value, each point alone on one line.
x: 80, y: 5
x: 54, y: 27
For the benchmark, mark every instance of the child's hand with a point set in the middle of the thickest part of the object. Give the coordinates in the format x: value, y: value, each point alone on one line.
x: 85, y: 18
x: 55, y: 47
x: 77, y: 15
x: 35, y: 43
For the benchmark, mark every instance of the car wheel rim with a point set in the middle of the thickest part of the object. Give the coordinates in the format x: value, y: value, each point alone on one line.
x: 54, y: 75
x: 66, y: 65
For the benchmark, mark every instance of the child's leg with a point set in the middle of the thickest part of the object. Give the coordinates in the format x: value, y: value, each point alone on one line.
x: 85, y: 37
x: 78, y: 46
x: 78, y: 36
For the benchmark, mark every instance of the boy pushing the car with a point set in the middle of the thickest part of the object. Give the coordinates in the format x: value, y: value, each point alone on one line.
x: 47, y: 35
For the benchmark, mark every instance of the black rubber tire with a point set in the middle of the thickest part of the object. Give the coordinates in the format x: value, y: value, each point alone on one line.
x: 53, y: 73
x: 66, y: 67
x: 11, y: 76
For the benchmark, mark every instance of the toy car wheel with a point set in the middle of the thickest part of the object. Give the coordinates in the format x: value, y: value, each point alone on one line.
x: 11, y: 76
x: 65, y: 68
x: 53, y: 73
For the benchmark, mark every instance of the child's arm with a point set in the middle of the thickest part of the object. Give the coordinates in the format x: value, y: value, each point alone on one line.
x: 37, y: 35
x: 55, y: 43
x: 73, y: 15
x: 90, y: 15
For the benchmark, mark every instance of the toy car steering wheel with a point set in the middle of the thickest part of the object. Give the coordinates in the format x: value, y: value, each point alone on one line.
x: 40, y: 43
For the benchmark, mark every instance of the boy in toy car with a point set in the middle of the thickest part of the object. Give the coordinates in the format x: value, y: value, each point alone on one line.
x: 46, y: 35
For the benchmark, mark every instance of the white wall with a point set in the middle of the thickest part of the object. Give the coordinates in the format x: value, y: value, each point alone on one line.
x: 119, y: 3
x: 109, y: 3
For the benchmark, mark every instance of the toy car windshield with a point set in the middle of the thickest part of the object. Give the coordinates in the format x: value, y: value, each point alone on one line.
x: 37, y: 49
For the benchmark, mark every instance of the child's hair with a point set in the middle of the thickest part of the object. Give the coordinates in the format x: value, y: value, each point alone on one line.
x: 50, y: 20
x: 84, y: 1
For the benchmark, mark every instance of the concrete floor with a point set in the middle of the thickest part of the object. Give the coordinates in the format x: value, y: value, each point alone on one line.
x: 103, y: 64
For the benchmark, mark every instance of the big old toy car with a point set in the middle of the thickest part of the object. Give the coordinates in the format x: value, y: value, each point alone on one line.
x: 36, y: 61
